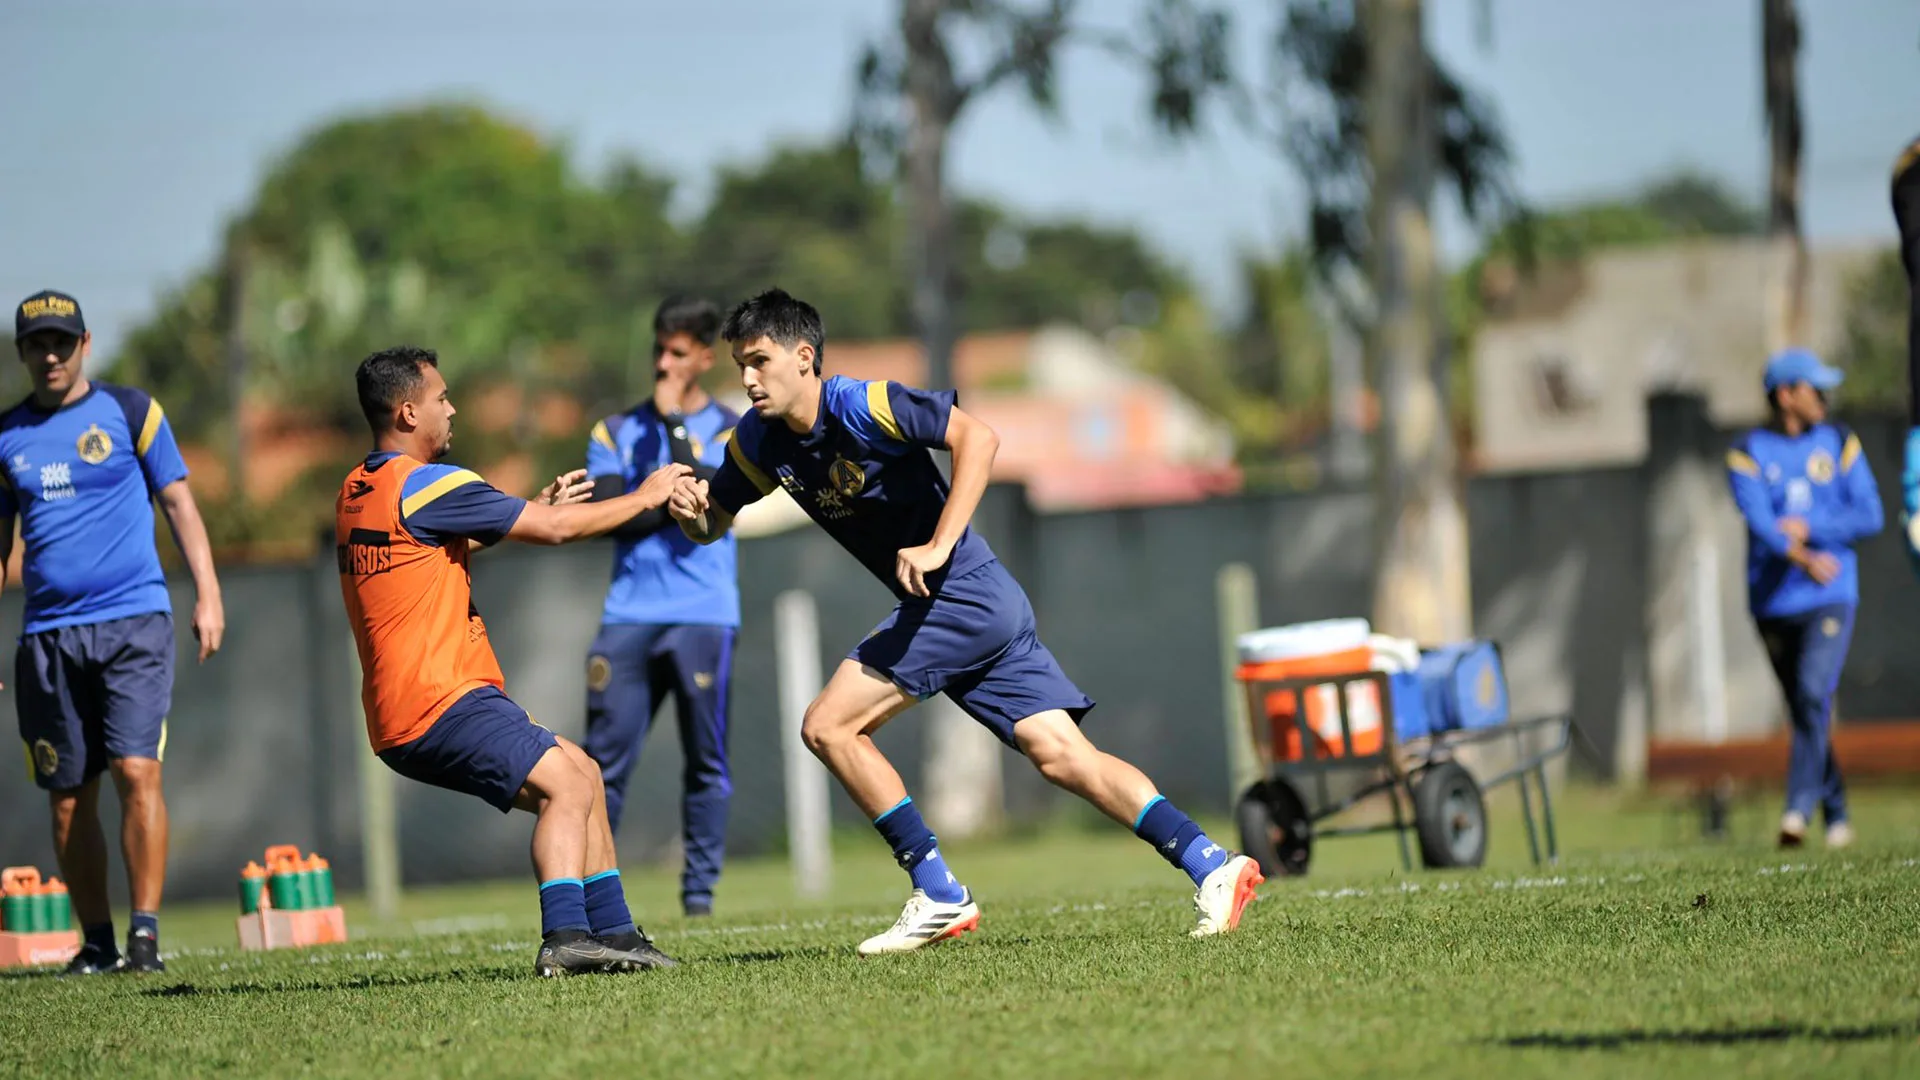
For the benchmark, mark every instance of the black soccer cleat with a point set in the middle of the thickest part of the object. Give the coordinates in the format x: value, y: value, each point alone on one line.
x: 143, y: 953
x: 94, y: 961
x: 696, y: 907
x: 576, y: 952
x: 636, y: 945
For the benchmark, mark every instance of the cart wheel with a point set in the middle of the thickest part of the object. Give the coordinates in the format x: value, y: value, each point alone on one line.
x: 1451, y: 817
x: 1274, y: 828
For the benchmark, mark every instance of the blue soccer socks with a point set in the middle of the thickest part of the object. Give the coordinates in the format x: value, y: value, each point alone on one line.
x: 606, y: 900
x: 1178, y: 840
x: 918, y: 853
x: 563, y: 906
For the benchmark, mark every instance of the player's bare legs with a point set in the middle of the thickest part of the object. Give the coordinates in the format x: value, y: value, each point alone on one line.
x: 80, y: 847
x: 581, y: 895
x: 1224, y: 882
x: 600, y: 852
x: 143, y: 829
x: 839, y: 729
x: 1069, y: 760
x: 559, y: 793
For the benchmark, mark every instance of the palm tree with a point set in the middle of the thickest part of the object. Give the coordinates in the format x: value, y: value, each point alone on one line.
x: 1780, y: 60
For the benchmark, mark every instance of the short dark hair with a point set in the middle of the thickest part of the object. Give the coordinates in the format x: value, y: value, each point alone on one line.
x: 389, y: 377
x: 775, y: 315
x: 690, y: 315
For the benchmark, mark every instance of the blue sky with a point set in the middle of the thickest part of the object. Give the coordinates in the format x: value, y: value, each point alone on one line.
x: 136, y: 127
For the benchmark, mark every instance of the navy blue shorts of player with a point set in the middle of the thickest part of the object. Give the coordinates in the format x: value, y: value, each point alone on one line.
x: 974, y: 641
x: 91, y: 693
x: 483, y: 745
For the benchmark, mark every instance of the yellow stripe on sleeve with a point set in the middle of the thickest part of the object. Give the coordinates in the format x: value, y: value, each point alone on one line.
x: 602, y: 436
x: 412, y: 504
x: 747, y: 468
x: 882, y: 409
x: 150, y: 427
x: 1850, y: 453
x: 1739, y: 461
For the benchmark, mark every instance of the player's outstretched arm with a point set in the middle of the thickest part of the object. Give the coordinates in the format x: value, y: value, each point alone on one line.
x: 540, y: 523
x: 190, y: 532
x: 973, y: 445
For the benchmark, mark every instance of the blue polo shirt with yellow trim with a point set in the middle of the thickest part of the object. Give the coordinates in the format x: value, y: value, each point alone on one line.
x: 1820, y: 476
x: 81, y: 478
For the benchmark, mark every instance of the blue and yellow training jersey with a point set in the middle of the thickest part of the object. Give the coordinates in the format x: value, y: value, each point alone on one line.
x: 1821, y: 477
x: 664, y: 578
x: 82, y: 478
x: 863, y: 473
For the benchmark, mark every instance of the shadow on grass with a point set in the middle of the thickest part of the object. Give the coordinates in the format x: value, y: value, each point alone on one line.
x: 1619, y: 1040
x: 356, y: 982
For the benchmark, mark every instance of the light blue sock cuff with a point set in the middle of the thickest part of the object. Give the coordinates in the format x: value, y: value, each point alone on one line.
x: 545, y: 885
x: 602, y: 875
x: 1142, y: 815
x: 889, y: 813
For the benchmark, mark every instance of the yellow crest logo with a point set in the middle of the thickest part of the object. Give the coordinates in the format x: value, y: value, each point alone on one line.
x: 45, y: 757
x: 95, y: 445
x: 599, y: 673
x: 847, y: 478
x: 1820, y: 467
x: 40, y: 307
x: 703, y: 680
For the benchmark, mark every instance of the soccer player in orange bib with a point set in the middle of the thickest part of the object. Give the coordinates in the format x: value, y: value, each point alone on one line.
x: 431, y: 686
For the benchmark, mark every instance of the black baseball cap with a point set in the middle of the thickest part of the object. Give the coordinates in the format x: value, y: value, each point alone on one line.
x: 48, y: 310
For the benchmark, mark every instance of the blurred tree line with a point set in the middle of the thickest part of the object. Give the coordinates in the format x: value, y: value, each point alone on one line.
x: 449, y: 226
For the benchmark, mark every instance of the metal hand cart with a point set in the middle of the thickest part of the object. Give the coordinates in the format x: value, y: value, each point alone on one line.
x: 1430, y: 793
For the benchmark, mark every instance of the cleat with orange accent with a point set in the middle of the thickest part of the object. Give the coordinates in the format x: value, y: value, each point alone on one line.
x: 923, y: 922
x: 1224, y: 895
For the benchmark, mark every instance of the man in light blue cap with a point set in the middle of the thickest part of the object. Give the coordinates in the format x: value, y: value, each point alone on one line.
x: 1808, y: 497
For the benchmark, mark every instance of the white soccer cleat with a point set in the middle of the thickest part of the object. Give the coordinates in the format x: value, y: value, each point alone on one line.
x: 1839, y: 836
x: 923, y: 922
x: 1224, y: 895
x: 1793, y: 829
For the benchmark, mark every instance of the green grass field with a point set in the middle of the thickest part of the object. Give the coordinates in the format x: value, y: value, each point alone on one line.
x: 1644, y: 953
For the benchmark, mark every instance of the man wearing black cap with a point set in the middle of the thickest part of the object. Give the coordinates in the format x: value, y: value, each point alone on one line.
x: 81, y: 463
x: 1808, y: 497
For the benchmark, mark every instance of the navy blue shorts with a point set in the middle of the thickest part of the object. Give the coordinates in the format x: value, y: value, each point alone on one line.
x: 89, y: 694
x: 483, y: 745
x: 975, y: 642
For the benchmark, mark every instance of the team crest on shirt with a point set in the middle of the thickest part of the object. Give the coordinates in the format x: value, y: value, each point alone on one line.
x: 1830, y: 627
x: 703, y: 680
x: 694, y: 444
x: 45, y: 757
x: 846, y: 477
x: 1820, y: 467
x: 599, y: 673
x: 94, y: 445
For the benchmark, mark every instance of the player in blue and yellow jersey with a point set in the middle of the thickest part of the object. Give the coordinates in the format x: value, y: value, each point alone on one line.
x: 1808, y: 496
x: 855, y: 456
x: 673, y: 610
x: 431, y: 687
x: 84, y: 462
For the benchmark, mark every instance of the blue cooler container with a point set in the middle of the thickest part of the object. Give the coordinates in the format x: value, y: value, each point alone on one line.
x: 1410, y: 719
x: 1464, y: 686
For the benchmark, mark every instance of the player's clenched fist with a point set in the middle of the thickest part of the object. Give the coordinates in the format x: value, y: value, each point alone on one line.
x: 660, y: 485
x: 689, y: 499
x: 913, y: 565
